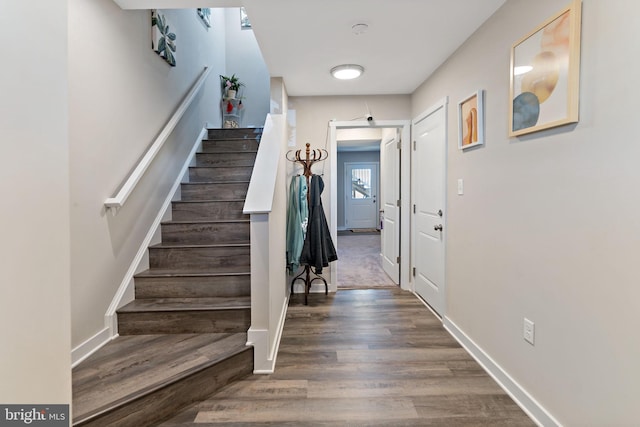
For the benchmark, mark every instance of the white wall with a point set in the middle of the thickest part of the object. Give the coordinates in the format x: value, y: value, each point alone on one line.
x: 34, y: 224
x: 279, y: 101
x: 244, y: 59
x: 121, y: 95
x: 548, y: 225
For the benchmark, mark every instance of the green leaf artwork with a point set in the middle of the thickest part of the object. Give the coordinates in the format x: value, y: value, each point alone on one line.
x: 162, y: 40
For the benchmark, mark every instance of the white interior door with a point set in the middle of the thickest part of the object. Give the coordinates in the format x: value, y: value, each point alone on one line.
x: 428, y: 178
x: 361, y: 193
x: 389, y: 213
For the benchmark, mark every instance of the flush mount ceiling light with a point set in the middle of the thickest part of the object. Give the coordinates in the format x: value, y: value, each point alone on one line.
x: 347, y: 71
x: 359, y: 29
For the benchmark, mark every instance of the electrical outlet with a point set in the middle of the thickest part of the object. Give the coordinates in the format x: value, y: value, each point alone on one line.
x: 529, y: 331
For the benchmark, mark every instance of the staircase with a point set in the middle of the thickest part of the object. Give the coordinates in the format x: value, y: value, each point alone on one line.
x: 184, y: 336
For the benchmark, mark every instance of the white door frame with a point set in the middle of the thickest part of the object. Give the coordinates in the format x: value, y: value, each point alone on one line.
x: 405, y: 190
x: 443, y: 103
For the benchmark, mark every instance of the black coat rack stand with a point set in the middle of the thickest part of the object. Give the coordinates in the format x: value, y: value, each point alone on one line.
x: 311, y: 157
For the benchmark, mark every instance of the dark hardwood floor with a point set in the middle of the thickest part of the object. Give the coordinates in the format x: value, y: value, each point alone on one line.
x: 373, y: 357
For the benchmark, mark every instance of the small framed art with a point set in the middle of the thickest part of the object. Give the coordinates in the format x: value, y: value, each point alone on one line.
x: 471, y: 121
x: 163, y: 41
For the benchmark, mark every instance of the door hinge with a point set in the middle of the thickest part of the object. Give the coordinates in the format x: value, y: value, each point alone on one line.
x: 414, y: 272
x: 398, y: 203
x: 414, y: 208
x: 399, y: 144
x: 398, y: 260
x: 414, y: 146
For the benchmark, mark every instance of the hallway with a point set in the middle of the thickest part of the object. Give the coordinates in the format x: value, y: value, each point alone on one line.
x: 362, y: 358
x: 358, y: 262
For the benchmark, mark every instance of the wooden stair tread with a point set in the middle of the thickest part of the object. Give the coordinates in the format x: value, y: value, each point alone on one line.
x: 134, y: 366
x: 230, y: 152
x: 228, y: 244
x: 220, y: 166
x: 205, y: 201
x: 220, y: 271
x: 254, y: 137
x: 186, y: 304
x: 209, y: 201
x: 215, y: 182
x: 207, y: 221
x: 213, y: 245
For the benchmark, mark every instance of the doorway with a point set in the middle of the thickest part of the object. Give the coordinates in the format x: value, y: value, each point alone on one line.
x: 402, y: 130
x: 358, y: 242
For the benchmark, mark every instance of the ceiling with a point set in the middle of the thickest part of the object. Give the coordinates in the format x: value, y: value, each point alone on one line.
x: 301, y: 40
x: 406, y: 41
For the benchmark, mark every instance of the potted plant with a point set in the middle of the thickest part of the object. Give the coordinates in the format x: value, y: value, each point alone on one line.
x: 230, y: 85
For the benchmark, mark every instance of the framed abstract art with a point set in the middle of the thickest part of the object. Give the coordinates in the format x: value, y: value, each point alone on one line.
x: 471, y: 121
x: 545, y: 73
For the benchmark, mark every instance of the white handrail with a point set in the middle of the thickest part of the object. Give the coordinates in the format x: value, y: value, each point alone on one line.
x: 263, y: 178
x: 116, y: 202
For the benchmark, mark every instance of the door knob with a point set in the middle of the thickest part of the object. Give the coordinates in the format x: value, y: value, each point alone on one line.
x: 438, y: 227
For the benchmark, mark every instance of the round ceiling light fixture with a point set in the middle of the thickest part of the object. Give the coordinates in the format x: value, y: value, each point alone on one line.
x: 347, y: 71
x: 359, y: 29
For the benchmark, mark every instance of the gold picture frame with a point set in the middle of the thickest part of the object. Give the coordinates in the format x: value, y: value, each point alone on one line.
x: 545, y: 74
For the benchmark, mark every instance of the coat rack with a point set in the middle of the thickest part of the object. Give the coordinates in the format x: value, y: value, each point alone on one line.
x: 311, y: 157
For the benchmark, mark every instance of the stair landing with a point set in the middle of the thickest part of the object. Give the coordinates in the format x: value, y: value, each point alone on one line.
x: 160, y: 370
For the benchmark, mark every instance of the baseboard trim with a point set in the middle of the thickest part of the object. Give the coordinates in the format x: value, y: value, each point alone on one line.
x: 126, y: 286
x: 281, y: 321
x: 316, y: 287
x: 529, y: 405
x: 90, y: 346
x: 264, y: 358
x: 429, y: 307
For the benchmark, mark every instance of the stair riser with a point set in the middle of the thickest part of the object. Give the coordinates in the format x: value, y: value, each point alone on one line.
x: 210, y: 233
x: 229, y: 145
x: 208, y: 174
x: 199, y: 258
x: 232, y: 191
x: 225, y: 159
x: 193, y: 287
x: 208, y: 210
x: 253, y: 134
x: 151, y: 409
x: 184, y: 322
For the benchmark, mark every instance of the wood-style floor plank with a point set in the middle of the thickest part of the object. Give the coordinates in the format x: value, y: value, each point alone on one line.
x: 374, y: 357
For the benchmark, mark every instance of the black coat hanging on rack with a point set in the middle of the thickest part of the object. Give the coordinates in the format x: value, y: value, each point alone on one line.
x: 318, y: 250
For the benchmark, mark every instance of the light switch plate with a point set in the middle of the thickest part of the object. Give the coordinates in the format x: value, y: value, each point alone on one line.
x: 460, y: 187
x: 529, y: 331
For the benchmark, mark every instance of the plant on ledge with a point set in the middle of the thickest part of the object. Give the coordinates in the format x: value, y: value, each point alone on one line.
x: 230, y: 85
